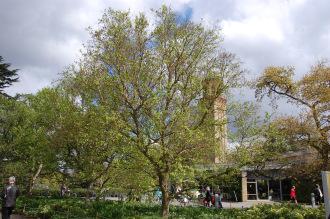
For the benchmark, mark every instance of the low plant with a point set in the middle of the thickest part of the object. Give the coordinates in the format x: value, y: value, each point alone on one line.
x: 57, y: 208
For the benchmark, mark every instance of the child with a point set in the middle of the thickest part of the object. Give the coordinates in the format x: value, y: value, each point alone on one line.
x: 293, y: 196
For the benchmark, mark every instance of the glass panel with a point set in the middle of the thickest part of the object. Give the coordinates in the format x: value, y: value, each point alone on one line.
x: 274, y: 190
x: 262, y: 189
x: 252, y: 197
x: 251, y: 190
x: 286, y: 187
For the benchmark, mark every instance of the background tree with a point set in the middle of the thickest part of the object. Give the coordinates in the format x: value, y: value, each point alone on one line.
x: 7, y: 76
x: 153, y: 78
x: 312, y: 94
x: 293, y: 130
x: 245, y: 123
x: 257, y: 141
x: 24, y: 142
x: 82, y: 135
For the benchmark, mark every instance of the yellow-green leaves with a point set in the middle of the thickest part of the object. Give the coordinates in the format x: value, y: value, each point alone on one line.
x: 275, y: 79
x: 316, y: 85
x: 312, y: 92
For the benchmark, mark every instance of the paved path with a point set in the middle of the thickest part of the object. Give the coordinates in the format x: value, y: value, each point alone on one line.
x: 15, y: 216
x: 251, y: 203
x: 246, y: 204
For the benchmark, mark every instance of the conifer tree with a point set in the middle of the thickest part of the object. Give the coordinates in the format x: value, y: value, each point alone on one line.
x: 7, y: 76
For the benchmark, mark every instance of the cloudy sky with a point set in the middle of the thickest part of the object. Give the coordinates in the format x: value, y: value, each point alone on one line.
x: 41, y: 37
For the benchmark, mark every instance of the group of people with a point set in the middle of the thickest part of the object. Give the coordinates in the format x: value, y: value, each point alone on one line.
x: 213, y: 198
x: 318, y: 195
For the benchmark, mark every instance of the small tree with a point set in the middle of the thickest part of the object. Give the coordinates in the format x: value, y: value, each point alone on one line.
x: 312, y: 94
x: 7, y: 77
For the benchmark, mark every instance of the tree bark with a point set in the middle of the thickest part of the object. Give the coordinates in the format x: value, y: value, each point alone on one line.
x: 164, y: 186
x: 323, y: 140
x: 34, y: 178
x: 325, y: 160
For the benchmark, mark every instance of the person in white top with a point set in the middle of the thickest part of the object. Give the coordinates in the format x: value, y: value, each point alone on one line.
x: 318, y: 194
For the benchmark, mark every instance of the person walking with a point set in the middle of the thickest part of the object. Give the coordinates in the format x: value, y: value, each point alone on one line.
x: 218, y: 197
x: 62, y: 190
x: 9, y: 195
x: 318, y: 194
x: 208, y: 197
x: 293, y: 195
x: 158, y: 195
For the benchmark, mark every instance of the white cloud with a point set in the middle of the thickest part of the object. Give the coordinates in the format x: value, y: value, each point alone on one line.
x: 253, y: 29
x: 42, y: 37
x: 37, y: 78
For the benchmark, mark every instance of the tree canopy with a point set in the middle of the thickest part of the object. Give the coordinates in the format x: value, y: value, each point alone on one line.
x: 161, y: 81
x: 312, y: 127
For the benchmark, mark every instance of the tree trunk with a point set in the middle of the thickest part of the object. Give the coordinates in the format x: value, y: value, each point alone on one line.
x: 34, y: 178
x: 325, y: 161
x: 164, y: 186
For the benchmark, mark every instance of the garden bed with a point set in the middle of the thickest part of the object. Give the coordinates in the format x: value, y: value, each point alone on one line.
x: 77, y: 208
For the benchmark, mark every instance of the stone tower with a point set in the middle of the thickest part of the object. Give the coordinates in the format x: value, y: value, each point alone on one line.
x: 220, y: 129
x: 212, y: 88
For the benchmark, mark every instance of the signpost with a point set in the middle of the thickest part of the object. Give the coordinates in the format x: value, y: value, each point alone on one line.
x: 326, y: 192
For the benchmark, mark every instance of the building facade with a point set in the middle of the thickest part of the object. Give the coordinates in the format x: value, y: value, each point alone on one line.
x: 274, y: 180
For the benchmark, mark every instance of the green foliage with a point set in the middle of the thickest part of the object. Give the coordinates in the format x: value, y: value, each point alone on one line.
x: 73, y: 208
x: 136, y: 111
x: 246, y: 122
x: 160, y: 81
x: 24, y: 142
x: 259, y: 140
x: 228, y: 180
x: 84, y: 136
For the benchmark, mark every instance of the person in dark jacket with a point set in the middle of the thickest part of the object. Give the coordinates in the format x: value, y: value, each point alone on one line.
x: 318, y: 194
x: 9, y: 195
x: 208, y: 197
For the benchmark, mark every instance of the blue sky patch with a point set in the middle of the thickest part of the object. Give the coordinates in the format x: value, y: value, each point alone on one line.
x: 184, y: 15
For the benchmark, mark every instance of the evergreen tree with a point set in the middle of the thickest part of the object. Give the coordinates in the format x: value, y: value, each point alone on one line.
x: 7, y: 77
